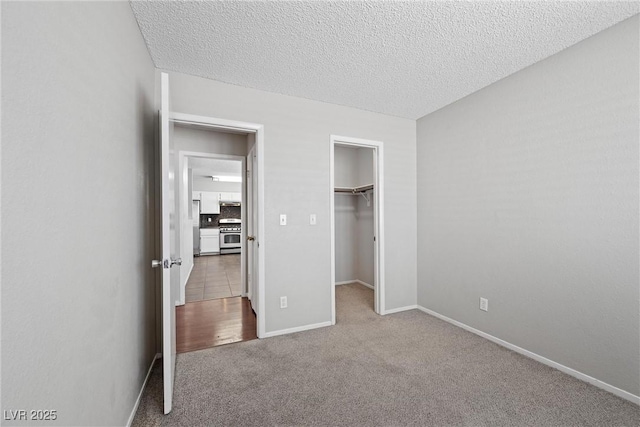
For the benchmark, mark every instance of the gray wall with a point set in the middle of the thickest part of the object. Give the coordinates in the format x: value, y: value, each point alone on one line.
x: 528, y: 195
x: 365, y: 224
x: 189, y: 139
x: 345, y: 165
x: 345, y: 229
x: 201, y: 183
x: 206, y: 141
x: 297, y: 137
x: 78, y: 309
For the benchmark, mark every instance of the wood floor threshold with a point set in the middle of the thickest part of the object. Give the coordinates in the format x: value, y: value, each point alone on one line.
x: 209, y: 323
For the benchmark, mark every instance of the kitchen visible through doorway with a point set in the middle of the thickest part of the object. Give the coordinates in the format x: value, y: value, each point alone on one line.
x: 216, y: 276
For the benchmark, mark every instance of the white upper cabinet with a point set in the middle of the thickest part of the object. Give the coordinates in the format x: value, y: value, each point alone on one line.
x: 209, y: 202
x: 231, y: 197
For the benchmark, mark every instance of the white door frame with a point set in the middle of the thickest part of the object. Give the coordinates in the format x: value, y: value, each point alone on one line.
x: 378, y: 217
x: 214, y: 123
x: 251, y: 181
x: 243, y: 209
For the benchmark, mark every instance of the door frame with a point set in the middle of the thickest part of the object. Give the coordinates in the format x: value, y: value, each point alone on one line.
x: 251, y: 180
x: 214, y: 123
x: 378, y: 220
x: 243, y: 208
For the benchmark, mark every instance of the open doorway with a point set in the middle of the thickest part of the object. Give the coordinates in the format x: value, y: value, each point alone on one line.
x: 216, y: 214
x: 214, y: 306
x: 357, y: 220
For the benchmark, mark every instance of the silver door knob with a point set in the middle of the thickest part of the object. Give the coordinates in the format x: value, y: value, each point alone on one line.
x: 251, y: 238
x: 176, y: 262
x: 156, y: 263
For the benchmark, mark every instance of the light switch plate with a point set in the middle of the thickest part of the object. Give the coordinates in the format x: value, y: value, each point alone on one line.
x: 283, y: 219
x: 312, y: 219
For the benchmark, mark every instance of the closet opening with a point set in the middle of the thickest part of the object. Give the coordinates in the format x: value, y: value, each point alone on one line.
x: 357, y: 220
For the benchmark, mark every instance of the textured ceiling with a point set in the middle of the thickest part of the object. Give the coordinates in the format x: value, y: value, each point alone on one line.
x: 405, y: 59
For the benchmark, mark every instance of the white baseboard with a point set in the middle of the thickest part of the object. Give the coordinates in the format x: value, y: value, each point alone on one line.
x: 577, y: 374
x: 364, y: 284
x: 296, y: 329
x: 348, y: 282
x: 144, y: 384
x: 399, y: 309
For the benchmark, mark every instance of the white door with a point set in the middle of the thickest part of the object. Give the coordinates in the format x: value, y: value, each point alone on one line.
x: 170, y: 254
x: 252, y: 229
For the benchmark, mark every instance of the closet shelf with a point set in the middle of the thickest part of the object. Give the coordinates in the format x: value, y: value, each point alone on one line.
x: 357, y: 191
x: 353, y: 190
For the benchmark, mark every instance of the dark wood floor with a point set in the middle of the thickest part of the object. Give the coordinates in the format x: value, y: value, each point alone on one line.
x: 205, y: 324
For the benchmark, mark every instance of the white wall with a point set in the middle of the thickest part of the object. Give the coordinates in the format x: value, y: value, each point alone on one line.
x: 78, y: 293
x: 297, y: 138
x: 528, y: 196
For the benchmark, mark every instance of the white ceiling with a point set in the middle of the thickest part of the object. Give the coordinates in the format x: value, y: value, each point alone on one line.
x: 405, y: 59
x: 207, y: 167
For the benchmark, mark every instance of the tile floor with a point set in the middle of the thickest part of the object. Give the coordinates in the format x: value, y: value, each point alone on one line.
x: 214, y: 276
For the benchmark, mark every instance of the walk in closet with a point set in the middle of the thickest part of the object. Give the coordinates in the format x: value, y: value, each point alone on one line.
x: 354, y: 194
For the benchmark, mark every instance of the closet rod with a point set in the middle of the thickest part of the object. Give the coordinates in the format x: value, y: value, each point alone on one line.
x: 353, y: 190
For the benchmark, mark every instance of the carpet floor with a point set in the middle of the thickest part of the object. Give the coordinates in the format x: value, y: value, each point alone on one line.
x: 402, y: 369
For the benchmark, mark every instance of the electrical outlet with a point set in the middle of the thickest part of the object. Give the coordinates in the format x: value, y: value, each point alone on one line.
x: 484, y: 304
x: 283, y: 302
x: 209, y: 219
x: 283, y: 219
x: 312, y: 219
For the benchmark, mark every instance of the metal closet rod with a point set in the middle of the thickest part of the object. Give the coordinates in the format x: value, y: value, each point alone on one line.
x: 353, y: 190
x: 362, y: 191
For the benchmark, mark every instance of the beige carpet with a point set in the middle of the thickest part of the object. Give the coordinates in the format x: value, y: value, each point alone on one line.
x: 402, y: 369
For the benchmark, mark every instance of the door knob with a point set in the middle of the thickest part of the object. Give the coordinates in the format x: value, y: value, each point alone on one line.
x: 251, y: 238
x: 175, y: 262
x: 156, y: 263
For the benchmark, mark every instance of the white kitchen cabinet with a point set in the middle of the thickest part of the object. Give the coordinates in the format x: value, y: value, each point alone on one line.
x: 209, y: 202
x: 195, y: 195
x: 209, y: 240
x: 231, y: 197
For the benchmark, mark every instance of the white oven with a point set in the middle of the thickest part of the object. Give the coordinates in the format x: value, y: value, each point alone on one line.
x: 230, y: 236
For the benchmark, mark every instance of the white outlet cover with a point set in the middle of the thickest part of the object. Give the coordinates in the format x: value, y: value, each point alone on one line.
x: 484, y: 304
